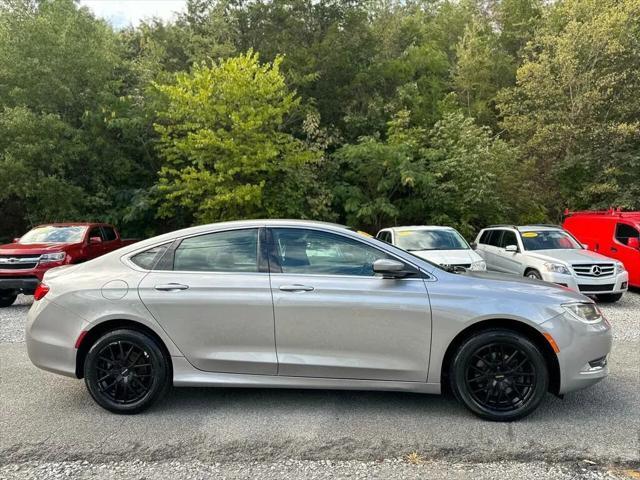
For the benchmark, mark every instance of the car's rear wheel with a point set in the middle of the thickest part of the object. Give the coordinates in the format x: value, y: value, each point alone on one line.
x: 126, y: 371
x: 7, y: 297
x: 499, y: 374
x: 609, y: 297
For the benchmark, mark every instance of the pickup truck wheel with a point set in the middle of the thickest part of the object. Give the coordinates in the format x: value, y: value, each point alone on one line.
x: 7, y: 297
x: 609, y: 297
x: 534, y: 274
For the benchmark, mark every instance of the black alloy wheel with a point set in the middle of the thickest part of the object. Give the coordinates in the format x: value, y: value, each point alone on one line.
x: 499, y: 375
x: 126, y: 371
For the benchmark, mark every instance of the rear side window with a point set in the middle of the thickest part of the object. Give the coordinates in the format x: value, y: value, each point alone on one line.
x: 230, y: 251
x: 491, y: 237
x: 109, y: 234
x: 624, y: 232
x: 149, y: 258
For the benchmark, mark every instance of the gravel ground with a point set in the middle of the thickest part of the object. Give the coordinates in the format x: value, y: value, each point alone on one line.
x: 296, y: 469
x: 50, y: 428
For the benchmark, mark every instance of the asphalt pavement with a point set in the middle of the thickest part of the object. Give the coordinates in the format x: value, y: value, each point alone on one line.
x: 51, y: 428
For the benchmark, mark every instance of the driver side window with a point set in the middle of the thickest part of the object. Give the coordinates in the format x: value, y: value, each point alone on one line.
x: 314, y: 252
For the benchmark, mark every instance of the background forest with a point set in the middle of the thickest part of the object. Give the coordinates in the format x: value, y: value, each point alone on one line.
x: 369, y: 113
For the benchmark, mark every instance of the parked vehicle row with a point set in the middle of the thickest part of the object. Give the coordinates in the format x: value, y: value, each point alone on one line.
x: 302, y: 304
x: 24, y: 262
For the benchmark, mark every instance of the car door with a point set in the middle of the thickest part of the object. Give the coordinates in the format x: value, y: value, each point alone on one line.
x: 110, y: 237
x: 621, y: 250
x: 487, y: 248
x: 95, y: 243
x: 213, y: 298
x: 509, y: 262
x: 336, y: 319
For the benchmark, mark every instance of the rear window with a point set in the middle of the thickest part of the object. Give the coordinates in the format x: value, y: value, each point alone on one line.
x: 149, y: 258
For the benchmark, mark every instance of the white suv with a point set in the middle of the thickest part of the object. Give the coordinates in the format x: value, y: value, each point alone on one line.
x: 550, y: 253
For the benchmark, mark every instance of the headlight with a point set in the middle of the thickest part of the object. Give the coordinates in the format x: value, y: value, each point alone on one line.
x: 557, y: 268
x: 479, y: 265
x: 585, y: 312
x: 620, y: 267
x: 52, y: 257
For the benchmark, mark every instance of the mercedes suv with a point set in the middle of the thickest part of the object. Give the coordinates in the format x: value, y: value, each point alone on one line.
x: 550, y: 253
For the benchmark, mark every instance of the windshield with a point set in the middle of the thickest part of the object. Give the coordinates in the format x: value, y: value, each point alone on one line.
x: 549, y: 240
x: 52, y: 234
x: 414, y: 240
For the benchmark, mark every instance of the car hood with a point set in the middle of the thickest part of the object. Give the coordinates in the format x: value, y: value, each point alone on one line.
x: 570, y: 256
x: 531, y: 289
x: 33, y: 248
x: 448, y: 257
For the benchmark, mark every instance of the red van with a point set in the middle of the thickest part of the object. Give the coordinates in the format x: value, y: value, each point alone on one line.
x: 613, y: 233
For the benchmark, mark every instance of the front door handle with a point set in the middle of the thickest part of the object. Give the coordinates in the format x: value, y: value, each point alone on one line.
x: 171, y: 287
x: 296, y: 288
x: 614, y: 249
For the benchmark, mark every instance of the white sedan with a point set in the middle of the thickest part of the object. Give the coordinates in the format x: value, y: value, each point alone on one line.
x: 441, y: 245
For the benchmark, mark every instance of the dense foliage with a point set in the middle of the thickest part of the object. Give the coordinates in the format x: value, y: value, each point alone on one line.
x: 370, y: 113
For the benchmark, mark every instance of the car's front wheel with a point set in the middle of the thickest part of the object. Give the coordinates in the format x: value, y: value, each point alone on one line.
x: 499, y: 374
x: 609, y: 297
x: 7, y: 297
x: 126, y: 371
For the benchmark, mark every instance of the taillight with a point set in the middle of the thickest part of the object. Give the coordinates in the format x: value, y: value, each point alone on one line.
x: 41, y: 290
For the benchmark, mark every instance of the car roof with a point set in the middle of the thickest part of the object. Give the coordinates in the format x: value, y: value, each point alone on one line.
x: 72, y: 224
x: 525, y: 228
x: 419, y: 227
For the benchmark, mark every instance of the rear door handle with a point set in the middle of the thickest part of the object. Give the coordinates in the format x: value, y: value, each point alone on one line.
x: 296, y: 288
x: 171, y: 287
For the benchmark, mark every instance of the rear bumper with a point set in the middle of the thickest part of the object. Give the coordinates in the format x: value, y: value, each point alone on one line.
x: 25, y: 284
x: 50, y: 337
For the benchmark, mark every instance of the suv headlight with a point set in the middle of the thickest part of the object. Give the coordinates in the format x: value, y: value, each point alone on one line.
x: 479, y: 265
x: 557, y: 268
x: 620, y: 267
x: 585, y: 312
x: 52, y: 257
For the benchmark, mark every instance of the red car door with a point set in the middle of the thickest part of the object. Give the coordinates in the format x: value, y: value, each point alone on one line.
x: 95, y: 242
x: 110, y: 239
x: 621, y: 250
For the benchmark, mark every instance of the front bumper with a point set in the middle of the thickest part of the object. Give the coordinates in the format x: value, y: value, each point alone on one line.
x: 582, y: 348
x: 26, y: 285
x: 51, y: 334
x: 590, y: 286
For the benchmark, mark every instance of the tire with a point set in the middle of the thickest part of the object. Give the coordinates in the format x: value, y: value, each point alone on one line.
x: 7, y: 297
x: 533, y: 274
x: 126, y: 371
x: 491, y: 389
x: 609, y: 297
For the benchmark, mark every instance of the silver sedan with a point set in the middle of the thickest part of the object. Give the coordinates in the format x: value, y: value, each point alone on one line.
x: 282, y: 303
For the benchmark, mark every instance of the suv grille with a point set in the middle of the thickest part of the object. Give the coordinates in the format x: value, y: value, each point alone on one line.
x: 594, y: 270
x: 18, y: 262
x: 596, y: 288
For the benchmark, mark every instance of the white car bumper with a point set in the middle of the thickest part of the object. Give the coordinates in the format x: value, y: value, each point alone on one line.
x: 590, y: 286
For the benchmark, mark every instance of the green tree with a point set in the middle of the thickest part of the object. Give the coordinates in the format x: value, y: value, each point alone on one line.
x: 574, y: 110
x: 225, y: 155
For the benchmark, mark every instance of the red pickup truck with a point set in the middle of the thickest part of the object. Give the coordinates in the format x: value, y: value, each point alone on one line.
x: 24, y: 262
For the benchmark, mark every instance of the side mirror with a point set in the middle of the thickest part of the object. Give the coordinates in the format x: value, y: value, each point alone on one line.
x: 473, y: 245
x: 634, y: 242
x: 389, y: 268
x: 95, y: 240
x: 511, y: 248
